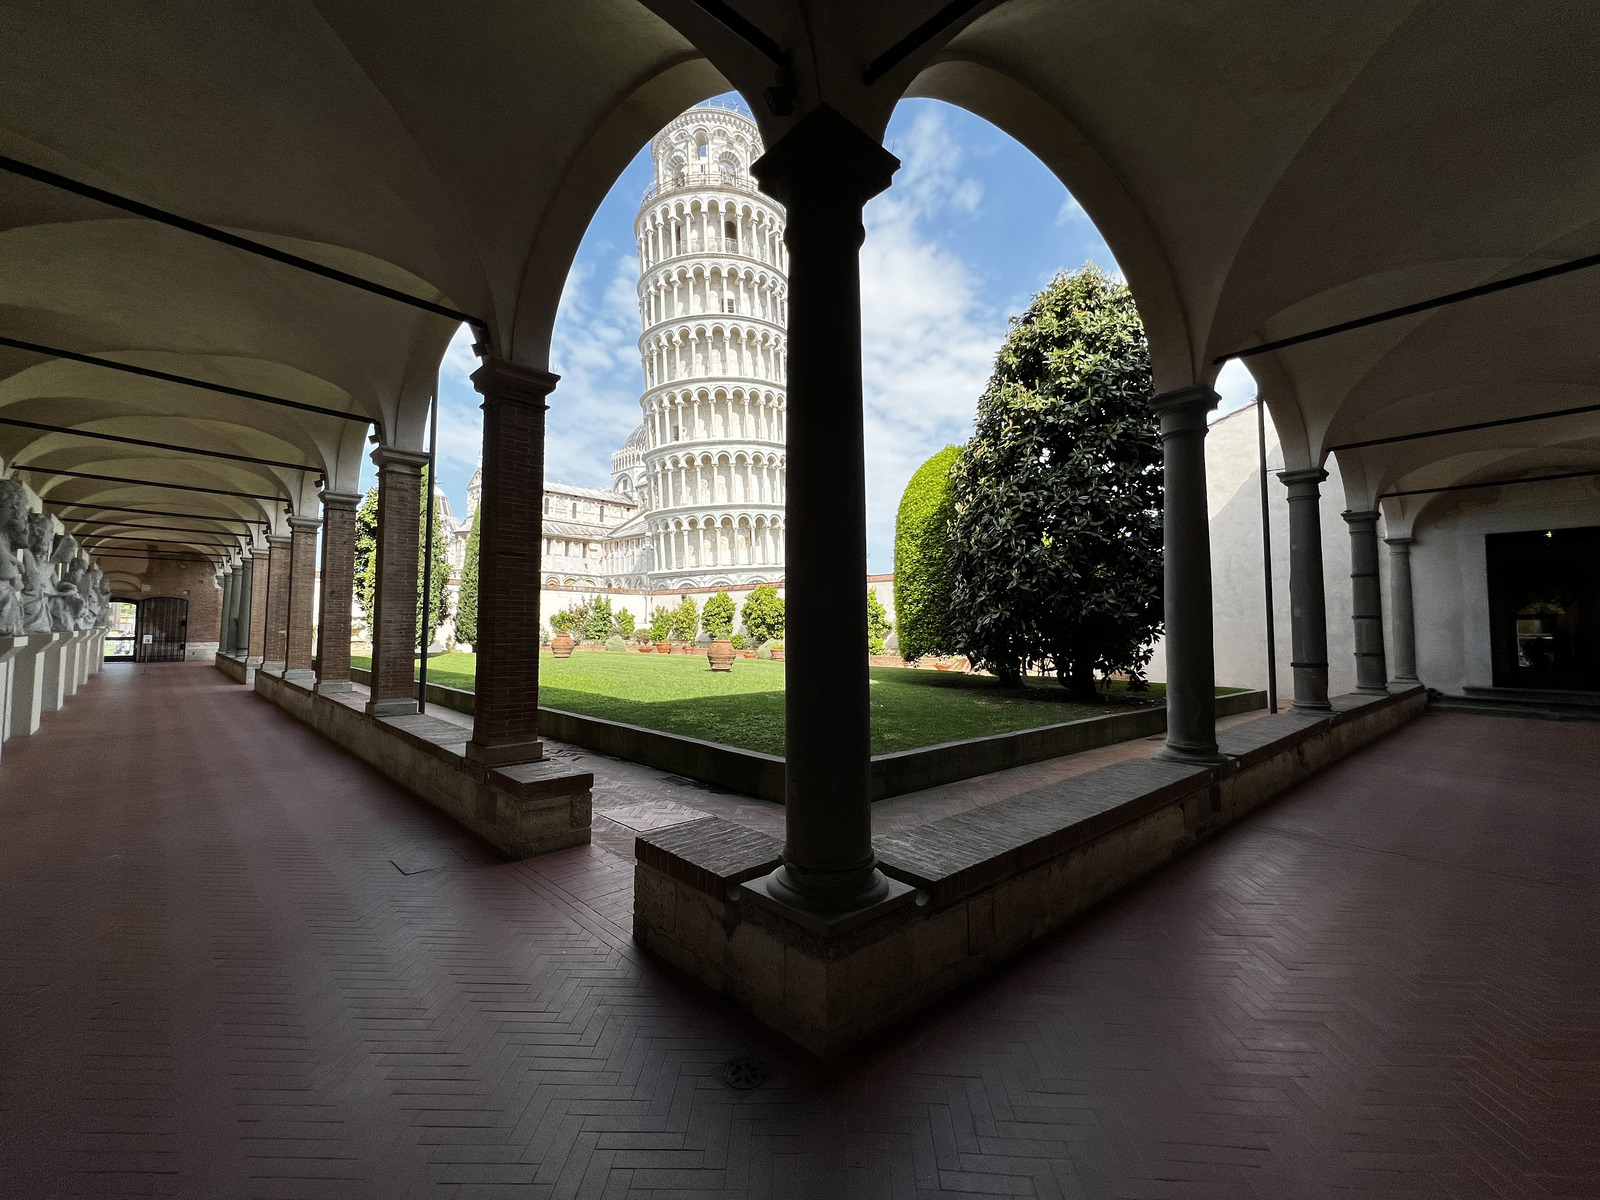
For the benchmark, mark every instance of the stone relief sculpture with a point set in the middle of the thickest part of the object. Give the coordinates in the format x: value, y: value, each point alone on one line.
x: 65, y: 602
x: 13, y: 543
x: 79, y: 576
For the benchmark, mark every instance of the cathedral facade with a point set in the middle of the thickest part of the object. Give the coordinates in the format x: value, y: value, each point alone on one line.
x: 697, y: 490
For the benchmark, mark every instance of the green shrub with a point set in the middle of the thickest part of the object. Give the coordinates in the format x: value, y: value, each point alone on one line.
x: 762, y: 651
x: 878, y: 625
x: 737, y: 641
x: 616, y: 645
x: 718, y: 615
x: 922, y: 559
x: 625, y: 622
x: 763, y: 614
x: 685, y: 621
x: 768, y: 647
x: 467, y: 602
x: 661, y: 625
x: 598, y: 627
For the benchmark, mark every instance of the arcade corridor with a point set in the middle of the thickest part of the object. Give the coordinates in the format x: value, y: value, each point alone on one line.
x: 220, y: 980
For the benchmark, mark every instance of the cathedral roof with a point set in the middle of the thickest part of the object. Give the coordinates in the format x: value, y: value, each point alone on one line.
x: 605, y: 494
x: 635, y: 439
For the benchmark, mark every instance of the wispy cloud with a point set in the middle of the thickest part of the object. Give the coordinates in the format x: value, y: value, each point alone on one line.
x: 928, y: 340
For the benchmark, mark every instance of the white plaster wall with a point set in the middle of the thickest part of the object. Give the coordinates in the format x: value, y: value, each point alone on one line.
x: 1449, y: 570
x: 1233, y: 484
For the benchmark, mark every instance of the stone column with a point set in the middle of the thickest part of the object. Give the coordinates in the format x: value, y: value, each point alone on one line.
x: 241, y: 616
x: 824, y: 170
x: 1402, y: 619
x: 1372, y: 673
x: 225, y: 622
x: 302, y: 598
x: 394, y: 600
x: 338, y: 590
x: 260, y: 585
x: 505, y: 723
x: 1308, y: 610
x: 1186, y: 558
x: 275, y: 650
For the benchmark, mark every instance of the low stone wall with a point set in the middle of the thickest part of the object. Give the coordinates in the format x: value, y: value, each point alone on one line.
x: 523, y: 810
x: 974, y: 887
x: 236, y: 667
x: 752, y: 773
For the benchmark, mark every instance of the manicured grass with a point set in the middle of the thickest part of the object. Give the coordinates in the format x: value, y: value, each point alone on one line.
x: 744, y: 707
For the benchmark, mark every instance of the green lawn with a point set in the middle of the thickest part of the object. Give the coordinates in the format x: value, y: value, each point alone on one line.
x: 744, y: 707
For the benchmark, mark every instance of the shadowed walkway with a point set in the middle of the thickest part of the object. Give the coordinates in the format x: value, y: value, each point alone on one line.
x: 236, y: 962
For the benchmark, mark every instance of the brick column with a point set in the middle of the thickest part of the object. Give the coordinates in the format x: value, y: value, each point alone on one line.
x: 260, y: 585
x: 275, y: 649
x: 505, y: 727
x: 302, y: 597
x: 394, y: 601
x: 338, y: 589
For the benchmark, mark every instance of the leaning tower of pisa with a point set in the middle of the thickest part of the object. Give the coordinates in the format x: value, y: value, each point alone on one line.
x: 712, y: 301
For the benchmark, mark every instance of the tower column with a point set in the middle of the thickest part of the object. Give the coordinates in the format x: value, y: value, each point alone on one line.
x: 825, y: 170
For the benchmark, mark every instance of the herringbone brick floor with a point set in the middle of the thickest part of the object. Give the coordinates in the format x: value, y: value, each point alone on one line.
x: 236, y: 962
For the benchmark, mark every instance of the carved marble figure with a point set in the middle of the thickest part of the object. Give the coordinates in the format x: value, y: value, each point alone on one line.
x: 13, y: 538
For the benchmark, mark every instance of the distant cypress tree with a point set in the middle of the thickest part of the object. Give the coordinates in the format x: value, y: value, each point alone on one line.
x: 467, y: 603
x: 366, y: 573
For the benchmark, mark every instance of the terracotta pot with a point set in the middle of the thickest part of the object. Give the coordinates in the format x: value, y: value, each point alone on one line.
x: 721, y: 655
x: 777, y: 656
x: 747, y: 654
x: 561, y: 645
x: 645, y: 649
x: 943, y: 666
x: 663, y: 648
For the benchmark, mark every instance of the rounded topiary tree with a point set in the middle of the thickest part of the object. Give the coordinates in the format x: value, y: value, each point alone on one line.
x: 717, y: 616
x: 763, y: 614
x: 922, y: 560
x: 1057, y: 530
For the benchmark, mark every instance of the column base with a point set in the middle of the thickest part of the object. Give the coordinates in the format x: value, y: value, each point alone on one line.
x: 774, y: 893
x: 272, y: 667
x: 303, y: 676
x: 1193, y: 756
x: 1316, y: 706
x: 399, y: 706
x: 1373, y: 690
x: 327, y: 687
x: 505, y: 754
x: 824, y: 896
x: 1404, y: 681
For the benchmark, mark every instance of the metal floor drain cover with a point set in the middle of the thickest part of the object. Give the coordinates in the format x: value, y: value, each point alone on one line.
x: 744, y: 1073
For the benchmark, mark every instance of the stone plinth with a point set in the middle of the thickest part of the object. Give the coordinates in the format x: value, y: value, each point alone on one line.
x: 969, y: 890
x: 27, y: 664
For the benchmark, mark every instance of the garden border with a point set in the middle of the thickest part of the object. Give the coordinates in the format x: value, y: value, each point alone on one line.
x: 751, y: 773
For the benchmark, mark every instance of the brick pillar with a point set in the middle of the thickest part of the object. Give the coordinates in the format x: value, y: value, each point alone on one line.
x: 394, y: 601
x: 260, y: 585
x: 505, y: 726
x: 302, y: 597
x: 338, y: 589
x: 275, y: 649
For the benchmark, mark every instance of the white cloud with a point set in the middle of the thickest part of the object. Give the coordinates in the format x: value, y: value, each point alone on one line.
x: 928, y: 342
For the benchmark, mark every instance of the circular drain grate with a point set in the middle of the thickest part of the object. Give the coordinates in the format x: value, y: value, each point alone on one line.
x: 744, y: 1073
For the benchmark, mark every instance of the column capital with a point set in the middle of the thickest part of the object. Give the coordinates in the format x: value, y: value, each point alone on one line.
x: 1368, y: 517
x: 1401, y: 542
x: 340, y: 499
x: 305, y: 524
x: 825, y: 154
x: 1303, y: 482
x: 279, y: 539
x: 388, y: 458
x: 506, y: 382
x: 1183, y: 410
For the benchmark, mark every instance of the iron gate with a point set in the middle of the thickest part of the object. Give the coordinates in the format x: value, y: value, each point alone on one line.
x: 163, y: 630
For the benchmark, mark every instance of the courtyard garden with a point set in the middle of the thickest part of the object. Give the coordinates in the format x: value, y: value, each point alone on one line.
x: 744, y: 707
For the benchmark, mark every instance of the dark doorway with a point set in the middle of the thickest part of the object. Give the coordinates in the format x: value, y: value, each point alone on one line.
x: 1544, y: 608
x: 163, y: 630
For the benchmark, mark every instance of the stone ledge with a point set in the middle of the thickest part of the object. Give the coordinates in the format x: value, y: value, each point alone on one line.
x: 751, y: 773
x: 989, y: 881
x: 523, y: 810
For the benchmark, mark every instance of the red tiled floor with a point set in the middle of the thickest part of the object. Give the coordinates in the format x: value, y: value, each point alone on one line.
x: 216, y: 983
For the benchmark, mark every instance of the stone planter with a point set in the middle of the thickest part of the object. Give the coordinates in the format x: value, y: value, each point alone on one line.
x: 663, y: 648
x: 721, y: 655
x: 561, y: 645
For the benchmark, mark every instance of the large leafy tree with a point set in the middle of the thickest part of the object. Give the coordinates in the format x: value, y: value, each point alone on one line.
x: 1056, y: 533
x: 467, y: 600
x: 763, y: 614
x: 718, y: 614
x: 366, y: 562
x: 922, y: 559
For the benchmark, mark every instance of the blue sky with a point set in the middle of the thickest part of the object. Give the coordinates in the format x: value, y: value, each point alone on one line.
x: 973, y: 226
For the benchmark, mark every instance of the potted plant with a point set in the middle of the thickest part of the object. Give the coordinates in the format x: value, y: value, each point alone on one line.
x: 720, y: 654
x: 777, y: 651
x: 561, y: 645
x: 660, y: 630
